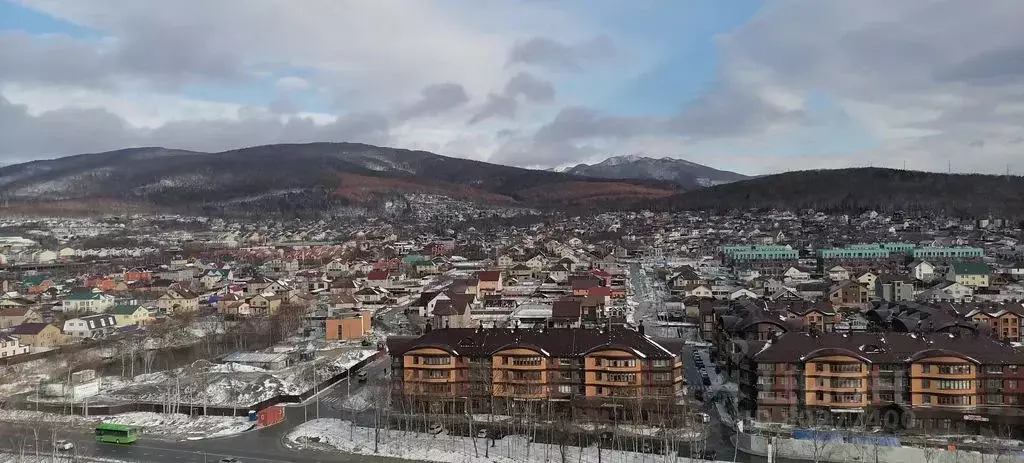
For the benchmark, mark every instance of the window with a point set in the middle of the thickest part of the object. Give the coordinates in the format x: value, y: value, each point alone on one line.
x: 661, y: 363
x: 662, y: 376
x: 954, y: 369
x: 955, y: 400
x: 436, y: 374
x: 994, y: 369
x: 953, y: 384
x: 618, y: 363
x: 926, y: 383
x: 526, y: 361
x: 565, y: 362
x: 994, y: 399
x: 565, y: 389
x: 525, y: 375
x: 820, y: 396
x: 819, y: 367
x: 621, y: 378
x: 994, y: 383
x: 845, y: 368
x: 1010, y: 384
x: 845, y: 383
x: 886, y: 397
x: 437, y: 360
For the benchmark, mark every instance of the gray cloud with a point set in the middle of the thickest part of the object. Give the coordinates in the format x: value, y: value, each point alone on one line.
x: 990, y: 67
x: 506, y: 104
x: 71, y: 131
x: 435, y: 99
x: 552, y: 54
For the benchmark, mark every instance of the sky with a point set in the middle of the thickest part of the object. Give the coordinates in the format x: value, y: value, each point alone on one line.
x: 753, y: 86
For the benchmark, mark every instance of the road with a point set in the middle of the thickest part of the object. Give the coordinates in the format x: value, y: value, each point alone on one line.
x: 264, y: 445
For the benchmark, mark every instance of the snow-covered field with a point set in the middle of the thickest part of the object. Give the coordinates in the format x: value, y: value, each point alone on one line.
x: 167, y: 425
x: 341, y: 435
x: 227, y: 384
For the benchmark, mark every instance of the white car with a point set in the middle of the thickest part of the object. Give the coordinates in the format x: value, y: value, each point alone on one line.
x: 63, y: 445
x: 481, y: 433
x: 435, y: 428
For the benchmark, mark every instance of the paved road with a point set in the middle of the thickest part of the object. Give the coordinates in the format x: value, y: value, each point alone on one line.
x: 264, y: 445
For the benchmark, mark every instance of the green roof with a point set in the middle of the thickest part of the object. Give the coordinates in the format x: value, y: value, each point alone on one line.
x: 125, y: 309
x: 116, y: 427
x: 970, y: 268
x: 84, y: 296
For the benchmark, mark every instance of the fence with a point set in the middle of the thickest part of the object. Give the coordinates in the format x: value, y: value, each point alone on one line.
x: 194, y: 409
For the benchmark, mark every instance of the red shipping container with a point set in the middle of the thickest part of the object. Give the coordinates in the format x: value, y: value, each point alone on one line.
x: 270, y: 416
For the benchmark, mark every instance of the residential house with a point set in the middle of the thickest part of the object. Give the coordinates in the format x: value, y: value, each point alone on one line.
x: 38, y: 335
x: 699, y: 291
x: 380, y: 278
x: 868, y: 280
x: 838, y: 273
x: 923, y: 270
x: 371, y: 295
x: 92, y: 301
x: 10, y: 346
x: 847, y: 293
x: 264, y: 304
x: 894, y: 288
x: 131, y: 314
x: 14, y: 316
x: 506, y: 261
x: 947, y: 292
x: 452, y: 313
x: 96, y: 326
x: 138, y: 275
x: 177, y: 299
x: 343, y: 286
x: 489, y: 282
x: 972, y: 274
x: 1003, y: 320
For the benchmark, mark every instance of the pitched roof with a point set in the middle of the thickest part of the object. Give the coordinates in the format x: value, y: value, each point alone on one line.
x: 570, y: 308
x: 29, y: 328
x: 125, y: 309
x: 887, y: 347
x: 378, y: 274
x: 567, y: 342
x: 970, y: 268
x: 490, y: 275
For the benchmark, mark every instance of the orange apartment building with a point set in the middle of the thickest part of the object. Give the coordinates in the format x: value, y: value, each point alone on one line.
x: 939, y: 383
x: 1004, y: 321
x: 571, y: 372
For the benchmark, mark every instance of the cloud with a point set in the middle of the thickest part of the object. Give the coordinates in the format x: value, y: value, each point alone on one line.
x: 555, y: 55
x: 73, y: 130
x: 291, y: 84
x: 435, y: 99
x: 506, y: 104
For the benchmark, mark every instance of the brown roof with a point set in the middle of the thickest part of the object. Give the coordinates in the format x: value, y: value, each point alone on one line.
x: 13, y: 312
x: 887, y: 347
x: 489, y: 275
x: 564, y: 342
x: 567, y: 308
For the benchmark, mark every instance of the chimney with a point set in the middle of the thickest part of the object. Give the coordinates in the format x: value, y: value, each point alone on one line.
x: 428, y: 328
x: 640, y: 328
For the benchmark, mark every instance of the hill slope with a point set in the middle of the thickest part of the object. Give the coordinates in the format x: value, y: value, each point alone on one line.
x: 315, y: 176
x: 862, y: 189
x: 687, y: 174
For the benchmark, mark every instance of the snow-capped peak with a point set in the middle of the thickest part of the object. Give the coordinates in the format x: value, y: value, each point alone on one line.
x: 617, y: 160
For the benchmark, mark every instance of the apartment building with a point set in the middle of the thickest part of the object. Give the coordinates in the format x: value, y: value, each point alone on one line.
x: 943, y: 382
x: 598, y: 374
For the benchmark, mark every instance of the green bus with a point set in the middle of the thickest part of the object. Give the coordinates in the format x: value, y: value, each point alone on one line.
x: 117, y: 433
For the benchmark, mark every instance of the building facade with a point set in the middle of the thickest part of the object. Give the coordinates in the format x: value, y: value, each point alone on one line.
x: 579, y: 373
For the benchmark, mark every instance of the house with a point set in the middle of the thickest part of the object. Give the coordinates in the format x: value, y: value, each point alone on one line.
x: 452, y: 313
x: 176, y: 299
x: 489, y: 282
x: 847, y: 293
x: 10, y: 346
x: 795, y: 274
x: 536, y: 262
x: 838, y: 273
x: 131, y: 314
x: 520, y: 271
x: 505, y: 261
x: 922, y: 270
x: 566, y: 313
x: 138, y: 275
x: 699, y: 291
x: 684, y: 276
x: 379, y: 278
x: 1004, y: 321
x: 558, y: 272
x: 96, y: 326
x: 371, y: 295
x: 743, y: 293
x: 973, y: 274
x: 894, y: 288
x: 264, y: 304
x: 343, y: 286
x: 215, y: 277
x: 347, y: 325
x: 38, y: 335
x: 14, y: 316
x: 868, y: 281
x: 92, y: 301
x: 947, y: 292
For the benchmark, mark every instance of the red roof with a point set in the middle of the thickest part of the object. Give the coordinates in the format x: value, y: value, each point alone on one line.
x: 489, y: 276
x: 378, y: 274
x: 599, y: 291
x: 600, y: 273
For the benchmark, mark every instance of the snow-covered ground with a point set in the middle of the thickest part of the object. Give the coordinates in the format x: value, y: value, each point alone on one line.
x: 30, y: 457
x: 166, y: 425
x: 228, y: 384
x: 343, y: 436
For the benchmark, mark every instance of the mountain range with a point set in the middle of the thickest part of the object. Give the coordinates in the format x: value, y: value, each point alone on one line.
x: 297, y: 177
x: 687, y: 174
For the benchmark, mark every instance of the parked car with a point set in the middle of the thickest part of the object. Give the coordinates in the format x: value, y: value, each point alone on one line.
x: 481, y: 433
x: 361, y: 376
x: 63, y: 445
x: 709, y: 455
x: 706, y: 381
x: 230, y: 460
x: 435, y: 428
